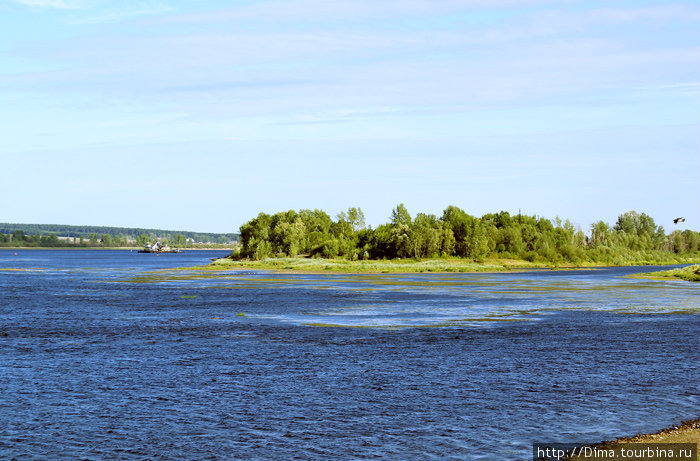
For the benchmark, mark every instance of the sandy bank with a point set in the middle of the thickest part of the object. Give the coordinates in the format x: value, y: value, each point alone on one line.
x: 686, y: 432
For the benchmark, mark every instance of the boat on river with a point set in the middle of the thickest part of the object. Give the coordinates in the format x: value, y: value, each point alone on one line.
x: 159, y: 248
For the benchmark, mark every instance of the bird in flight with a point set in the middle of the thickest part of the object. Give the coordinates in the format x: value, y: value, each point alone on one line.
x: 677, y: 220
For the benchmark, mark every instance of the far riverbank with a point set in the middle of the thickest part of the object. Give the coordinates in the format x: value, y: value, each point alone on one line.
x: 202, y: 248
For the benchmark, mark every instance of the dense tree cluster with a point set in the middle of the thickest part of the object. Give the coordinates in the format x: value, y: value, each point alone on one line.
x: 458, y: 234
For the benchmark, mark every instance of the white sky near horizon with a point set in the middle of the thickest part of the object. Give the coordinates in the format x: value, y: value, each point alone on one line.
x: 197, y: 115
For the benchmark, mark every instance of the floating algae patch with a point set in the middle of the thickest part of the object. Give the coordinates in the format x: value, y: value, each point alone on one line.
x: 426, y: 283
x: 240, y: 287
x: 473, y: 322
x: 515, y: 312
x: 686, y: 311
x: 402, y: 326
x: 188, y: 296
x: 373, y: 327
x: 153, y: 278
x: 169, y: 276
x: 411, y: 315
x: 643, y: 310
x: 24, y: 269
x: 486, y: 319
x: 331, y: 325
x: 395, y: 301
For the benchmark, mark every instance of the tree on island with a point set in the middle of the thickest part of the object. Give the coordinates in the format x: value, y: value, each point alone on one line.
x: 458, y: 234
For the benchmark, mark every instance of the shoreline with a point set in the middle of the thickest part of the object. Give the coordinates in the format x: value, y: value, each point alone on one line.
x: 687, y: 431
x: 688, y: 274
x: 437, y: 266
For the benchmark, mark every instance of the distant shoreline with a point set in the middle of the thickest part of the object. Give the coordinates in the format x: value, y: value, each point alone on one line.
x: 107, y: 248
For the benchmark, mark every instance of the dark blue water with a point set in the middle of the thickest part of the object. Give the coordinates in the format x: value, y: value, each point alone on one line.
x: 109, y: 355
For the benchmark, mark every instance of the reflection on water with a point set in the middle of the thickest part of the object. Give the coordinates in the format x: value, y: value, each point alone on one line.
x: 112, y: 355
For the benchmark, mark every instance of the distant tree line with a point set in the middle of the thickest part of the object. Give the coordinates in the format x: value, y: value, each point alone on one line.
x: 19, y: 239
x: 45, y: 235
x: 634, y: 237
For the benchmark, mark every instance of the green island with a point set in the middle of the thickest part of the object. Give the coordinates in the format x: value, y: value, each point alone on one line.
x: 311, y: 241
x: 689, y: 273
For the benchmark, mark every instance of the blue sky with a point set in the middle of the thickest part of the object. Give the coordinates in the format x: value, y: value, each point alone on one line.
x: 199, y: 114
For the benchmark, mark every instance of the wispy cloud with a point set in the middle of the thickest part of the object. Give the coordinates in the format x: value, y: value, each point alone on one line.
x: 126, y: 12
x: 553, y: 22
x: 100, y: 11
x: 286, y: 11
x: 60, y: 4
x: 246, y: 65
x: 517, y: 89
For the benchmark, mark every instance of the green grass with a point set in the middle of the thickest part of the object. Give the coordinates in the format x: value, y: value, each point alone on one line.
x: 314, y: 265
x: 690, y: 274
x: 395, y: 266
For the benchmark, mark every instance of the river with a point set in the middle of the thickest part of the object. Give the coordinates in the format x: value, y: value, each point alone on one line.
x: 114, y: 355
